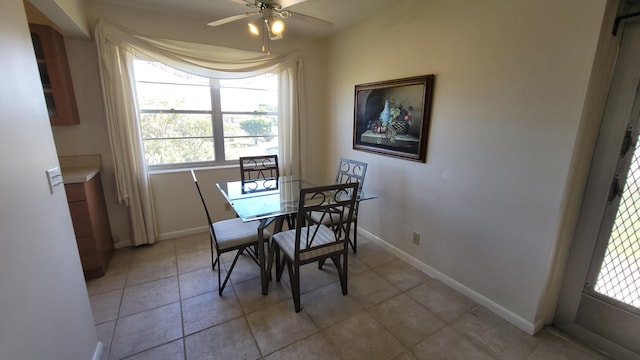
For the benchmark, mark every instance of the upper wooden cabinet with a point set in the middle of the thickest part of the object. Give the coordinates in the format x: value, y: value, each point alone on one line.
x: 48, y: 45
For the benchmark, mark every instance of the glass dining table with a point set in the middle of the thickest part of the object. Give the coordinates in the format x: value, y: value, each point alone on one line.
x: 268, y: 200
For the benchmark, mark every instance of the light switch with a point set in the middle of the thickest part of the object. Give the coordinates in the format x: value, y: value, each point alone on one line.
x: 54, y: 175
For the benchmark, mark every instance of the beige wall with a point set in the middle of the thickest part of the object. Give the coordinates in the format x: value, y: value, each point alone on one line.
x: 510, y: 85
x: 44, y: 306
x: 178, y: 205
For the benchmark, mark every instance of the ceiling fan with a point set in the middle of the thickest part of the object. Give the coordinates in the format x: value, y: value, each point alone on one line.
x: 271, y: 14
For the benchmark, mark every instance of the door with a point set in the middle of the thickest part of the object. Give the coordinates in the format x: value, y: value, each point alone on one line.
x: 610, y: 302
x: 600, y: 299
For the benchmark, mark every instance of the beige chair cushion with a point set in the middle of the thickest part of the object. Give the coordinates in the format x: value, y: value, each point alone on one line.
x: 287, y: 240
x: 234, y: 232
x: 329, y: 218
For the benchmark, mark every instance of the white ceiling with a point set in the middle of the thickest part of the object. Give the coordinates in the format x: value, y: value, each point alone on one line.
x: 341, y: 13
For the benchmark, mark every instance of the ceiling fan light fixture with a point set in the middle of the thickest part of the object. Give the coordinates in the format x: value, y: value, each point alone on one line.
x: 270, y: 26
x: 253, y: 29
x: 277, y: 26
x: 275, y: 37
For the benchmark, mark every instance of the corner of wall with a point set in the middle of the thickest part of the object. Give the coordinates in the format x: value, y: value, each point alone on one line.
x: 586, y: 137
x: 68, y: 15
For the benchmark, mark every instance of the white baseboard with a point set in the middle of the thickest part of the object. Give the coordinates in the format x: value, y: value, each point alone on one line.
x: 181, y: 233
x: 97, y: 355
x: 523, y: 324
x: 169, y: 235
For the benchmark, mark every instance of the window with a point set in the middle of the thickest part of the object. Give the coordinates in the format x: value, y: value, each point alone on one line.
x: 189, y: 120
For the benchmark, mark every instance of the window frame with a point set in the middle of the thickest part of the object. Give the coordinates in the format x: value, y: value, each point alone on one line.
x: 216, y: 116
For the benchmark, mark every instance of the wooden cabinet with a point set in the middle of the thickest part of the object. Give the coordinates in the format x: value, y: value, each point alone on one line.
x: 91, y: 225
x: 51, y: 55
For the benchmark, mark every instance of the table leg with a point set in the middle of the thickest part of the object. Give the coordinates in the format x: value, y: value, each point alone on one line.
x: 261, y: 258
x: 264, y: 276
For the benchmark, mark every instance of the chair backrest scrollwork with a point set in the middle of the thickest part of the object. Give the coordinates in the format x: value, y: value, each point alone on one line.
x: 259, y: 167
x: 323, y: 201
x: 351, y: 171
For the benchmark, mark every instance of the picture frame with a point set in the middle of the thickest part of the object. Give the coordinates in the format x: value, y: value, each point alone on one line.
x: 392, y: 117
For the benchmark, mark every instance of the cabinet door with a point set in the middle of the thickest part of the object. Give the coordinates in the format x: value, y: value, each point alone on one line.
x: 89, y: 257
x: 51, y: 55
x: 91, y: 225
x: 81, y: 218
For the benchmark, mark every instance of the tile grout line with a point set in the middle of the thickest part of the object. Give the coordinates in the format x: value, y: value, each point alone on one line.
x: 183, y: 338
x: 115, y: 324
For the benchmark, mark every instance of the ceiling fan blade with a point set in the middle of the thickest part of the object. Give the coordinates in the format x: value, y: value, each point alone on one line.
x: 232, y: 18
x: 245, y: 2
x: 287, y: 3
x: 311, y: 19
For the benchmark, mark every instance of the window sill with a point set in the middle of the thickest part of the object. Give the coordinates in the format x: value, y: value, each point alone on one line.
x: 187, y: 169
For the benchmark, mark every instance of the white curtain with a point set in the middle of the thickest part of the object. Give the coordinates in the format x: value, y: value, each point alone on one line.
x: 116, y: 51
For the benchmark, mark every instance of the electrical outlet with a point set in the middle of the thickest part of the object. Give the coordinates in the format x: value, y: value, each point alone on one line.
x: 416, y: 238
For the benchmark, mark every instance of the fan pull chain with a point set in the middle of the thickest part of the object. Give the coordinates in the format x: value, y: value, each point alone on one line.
x: 266, y: 39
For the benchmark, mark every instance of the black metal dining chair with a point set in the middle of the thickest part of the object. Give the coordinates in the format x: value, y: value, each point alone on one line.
x: 313, y: 241
x: 349, y: 171
x: 230, y: 235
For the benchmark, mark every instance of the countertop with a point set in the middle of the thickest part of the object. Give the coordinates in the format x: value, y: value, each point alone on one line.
x: 78, y: 174
x: 79, y: 168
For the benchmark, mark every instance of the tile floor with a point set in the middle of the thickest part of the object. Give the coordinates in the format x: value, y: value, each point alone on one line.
x: 161, y: 302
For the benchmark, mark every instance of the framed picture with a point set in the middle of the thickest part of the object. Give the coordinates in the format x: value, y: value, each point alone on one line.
x: 392, y: 117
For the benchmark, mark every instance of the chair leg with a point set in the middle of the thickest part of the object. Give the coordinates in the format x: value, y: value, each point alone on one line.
x: 280, y: 267
x: 219, y: 282
x: 345, y: 271
x: 280, y: 261
x: 291, y: 221
x: 270, y: 260
x: 213, y: 263
x: 294, y: 279
x: 226, y: 278
x: 354, y: 244
x: 342, y: 270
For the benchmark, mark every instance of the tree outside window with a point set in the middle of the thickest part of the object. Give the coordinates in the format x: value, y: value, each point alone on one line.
x: 188, y: 120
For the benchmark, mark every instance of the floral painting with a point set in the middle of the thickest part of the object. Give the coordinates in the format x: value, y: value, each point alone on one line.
x: 392, y: 117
